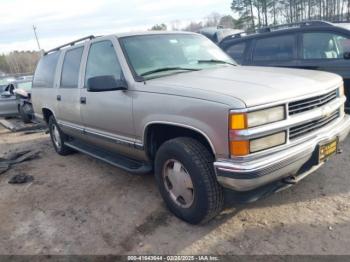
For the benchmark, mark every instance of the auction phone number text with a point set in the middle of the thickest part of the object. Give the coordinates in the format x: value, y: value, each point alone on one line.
x: 173, y: 258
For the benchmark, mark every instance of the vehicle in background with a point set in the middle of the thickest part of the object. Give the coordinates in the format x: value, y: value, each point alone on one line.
x: 315, y: 45
x: 2, y: 88
x: 8, y: 101
x: 177, y: 104
x: 24, y: 103
x: 15, y: 100
x: 24, y: 78
x: 4, y: 82
x: 216, y: 34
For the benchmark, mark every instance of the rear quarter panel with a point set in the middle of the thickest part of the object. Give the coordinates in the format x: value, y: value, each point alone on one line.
x: 43, y: 98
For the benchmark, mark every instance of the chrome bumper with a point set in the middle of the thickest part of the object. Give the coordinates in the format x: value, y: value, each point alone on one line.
x: 299, y: 160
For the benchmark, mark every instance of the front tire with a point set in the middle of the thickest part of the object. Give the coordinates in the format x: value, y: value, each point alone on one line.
x: 58, y: 138
x: 186, y: 180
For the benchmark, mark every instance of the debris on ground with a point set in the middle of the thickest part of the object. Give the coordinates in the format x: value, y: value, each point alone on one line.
x: 21, y: 179
x: 17, y: 157
x: 30, y: 132
x: 17, y: 125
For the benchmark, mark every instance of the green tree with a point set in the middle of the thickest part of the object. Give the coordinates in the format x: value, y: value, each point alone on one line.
x: 19, y: 62
x: 160, y: 27
x: 245, y: 9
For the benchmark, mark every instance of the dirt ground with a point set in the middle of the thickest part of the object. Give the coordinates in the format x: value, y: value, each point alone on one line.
x: 79, y: 205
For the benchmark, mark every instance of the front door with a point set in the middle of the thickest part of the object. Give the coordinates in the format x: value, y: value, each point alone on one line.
x: 107, y: 115
x: 8, y: 102
x: 324, y: 50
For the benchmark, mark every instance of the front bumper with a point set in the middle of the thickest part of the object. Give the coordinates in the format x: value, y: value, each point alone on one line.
x: 297, y: 161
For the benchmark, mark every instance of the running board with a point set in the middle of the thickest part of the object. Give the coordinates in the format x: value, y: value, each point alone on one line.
x: 122, y: 162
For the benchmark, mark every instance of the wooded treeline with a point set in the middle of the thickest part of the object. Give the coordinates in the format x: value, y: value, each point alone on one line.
x: 248, y: 15
x: 260, y: 13
x: 19, y: 62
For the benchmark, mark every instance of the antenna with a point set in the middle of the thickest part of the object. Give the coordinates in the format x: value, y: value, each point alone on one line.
x: 36, y: 37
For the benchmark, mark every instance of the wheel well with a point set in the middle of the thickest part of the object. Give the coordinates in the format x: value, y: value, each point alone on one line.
x: 47, y: 113
x: 157, y: 134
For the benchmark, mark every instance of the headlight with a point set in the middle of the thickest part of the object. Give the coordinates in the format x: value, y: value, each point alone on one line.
x: 245, y: 147
x: 266, y: 116
x: 240, y: 121
x: 267, y: 142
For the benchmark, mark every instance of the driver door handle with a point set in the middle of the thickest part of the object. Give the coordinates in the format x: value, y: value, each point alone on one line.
x: 83, y: 100
x: 58, y: 98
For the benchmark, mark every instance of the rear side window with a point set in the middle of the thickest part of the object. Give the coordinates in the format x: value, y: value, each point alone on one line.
x: 278, y: 48
x: 45, y: 71
x: 102, y: 61
x: 71, y: 67
x: 236, y: 51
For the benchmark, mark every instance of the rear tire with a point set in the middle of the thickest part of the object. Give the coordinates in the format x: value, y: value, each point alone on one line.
x: 58, y: 138
x: 26, y: 118
x: 184, y: 166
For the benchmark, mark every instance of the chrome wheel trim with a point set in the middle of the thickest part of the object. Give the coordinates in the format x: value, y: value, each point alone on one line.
x: 178, y: 183
x: 56, y: 136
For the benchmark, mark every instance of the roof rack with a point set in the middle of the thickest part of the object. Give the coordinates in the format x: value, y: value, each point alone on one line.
x: 294, y: 25
x: 70, y: 44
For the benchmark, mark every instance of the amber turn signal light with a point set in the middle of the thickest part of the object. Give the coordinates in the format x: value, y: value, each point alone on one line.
x: 238, y: 121
x: 239, y: 148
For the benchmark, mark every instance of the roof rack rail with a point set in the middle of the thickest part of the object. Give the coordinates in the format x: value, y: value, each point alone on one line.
x: 293, y: 25
x: 70, y: 44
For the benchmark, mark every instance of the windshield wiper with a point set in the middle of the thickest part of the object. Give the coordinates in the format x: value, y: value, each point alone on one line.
x: 164, y: 69
x: 215, y: 61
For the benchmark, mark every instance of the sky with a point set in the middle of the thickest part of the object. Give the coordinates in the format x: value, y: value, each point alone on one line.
x: 61, y: 21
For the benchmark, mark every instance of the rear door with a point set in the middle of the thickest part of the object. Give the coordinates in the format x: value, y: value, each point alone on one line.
x: 107, y: 115
x: 277, y: 50
x: 68, y: 93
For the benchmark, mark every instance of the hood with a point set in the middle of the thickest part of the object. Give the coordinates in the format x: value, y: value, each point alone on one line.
x: 252, y: 85
x: 22, y: 92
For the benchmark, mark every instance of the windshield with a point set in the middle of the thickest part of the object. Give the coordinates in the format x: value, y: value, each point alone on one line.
x: 25, y: 85
x: 157, y: 55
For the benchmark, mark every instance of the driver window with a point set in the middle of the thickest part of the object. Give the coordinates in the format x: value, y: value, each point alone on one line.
x: 323, y: 45
x: 102, y: 61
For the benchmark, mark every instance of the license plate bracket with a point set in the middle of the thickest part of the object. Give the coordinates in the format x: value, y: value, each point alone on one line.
x: 327, y: 149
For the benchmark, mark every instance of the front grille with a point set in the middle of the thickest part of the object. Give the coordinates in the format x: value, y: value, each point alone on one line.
x: 309, y: 127
x: 311, y: 103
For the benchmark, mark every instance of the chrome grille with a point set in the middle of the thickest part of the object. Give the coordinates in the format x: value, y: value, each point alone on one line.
x: 309, y: 127
x: 311, y: 103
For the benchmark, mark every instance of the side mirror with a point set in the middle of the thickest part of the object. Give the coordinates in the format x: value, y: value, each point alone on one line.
x: 6, y: 94
x: 105, y: 83
x: 346, y: 55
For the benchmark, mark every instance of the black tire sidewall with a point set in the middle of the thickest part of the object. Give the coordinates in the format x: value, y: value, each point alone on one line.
x: 199, y: 208
x: 25, y: 117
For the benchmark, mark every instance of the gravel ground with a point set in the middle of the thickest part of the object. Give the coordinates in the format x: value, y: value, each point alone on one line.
x: 79, y: 205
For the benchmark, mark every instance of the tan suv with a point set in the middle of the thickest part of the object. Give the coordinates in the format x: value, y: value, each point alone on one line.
x: 176, y: 104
